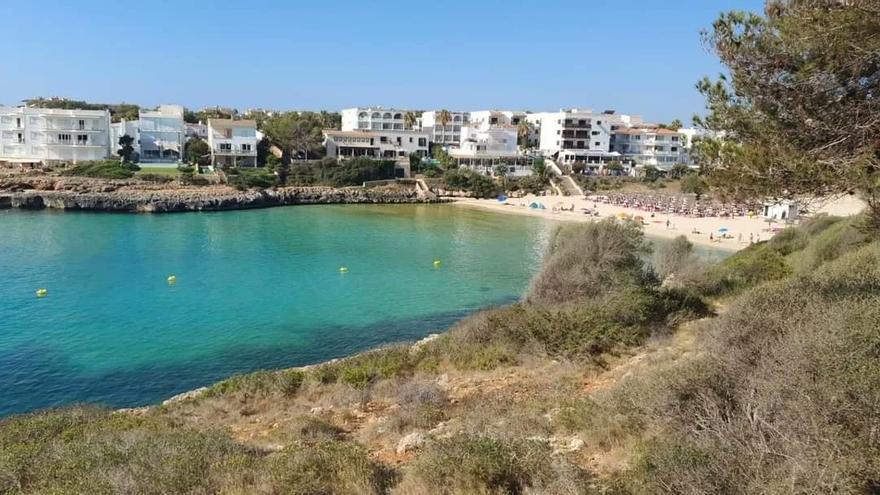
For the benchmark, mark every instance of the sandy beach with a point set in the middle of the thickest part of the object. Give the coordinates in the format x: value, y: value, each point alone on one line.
x: 740, y: 230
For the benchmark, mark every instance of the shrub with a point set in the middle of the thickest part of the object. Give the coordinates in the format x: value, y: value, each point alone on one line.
x: 466, y: 180
x: 671, y: 257
x: 830, y: 242
x: 363, y: 369
x: 464, y: 464
x: 327, y: 467
x: 156, y: 178
x: 586, y: 261
x: 791, y: 402
x: 247, y: 178
x: 285, y: 382
x: 108, y: 169
x: 359, y: 170
x: 421, y: 405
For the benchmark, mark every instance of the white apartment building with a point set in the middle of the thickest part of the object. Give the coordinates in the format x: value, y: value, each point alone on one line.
x: 199, y: 130
x: 161, y: 134
x: 388, y: 145
x: 448, y: 134
x: 483, y: 150
x: 233, y: 143
x: 576, y: 137
x: 44, y: 135
x: 373, y: 119
x: 489, y: 118
x: 649, y: 146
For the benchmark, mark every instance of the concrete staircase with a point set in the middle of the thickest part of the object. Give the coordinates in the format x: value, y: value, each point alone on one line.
x: 569, y: 186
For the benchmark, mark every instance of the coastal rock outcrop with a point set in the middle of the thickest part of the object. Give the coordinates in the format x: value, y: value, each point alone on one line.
x: 70, y: 193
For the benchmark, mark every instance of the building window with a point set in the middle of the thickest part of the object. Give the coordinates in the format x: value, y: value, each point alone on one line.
x: 597, y: 143
x: 20, y: 138
x: 383, y: 139
x: 423, y: 142
x: 595, y: 133
x: 225, y: 146
x: 410, y: 140
x: 64, y: 138
x: 673, y: 148
x: 246, y: 147
x: 82, y: 139
x: 18, y: 123
x: 82, y: 125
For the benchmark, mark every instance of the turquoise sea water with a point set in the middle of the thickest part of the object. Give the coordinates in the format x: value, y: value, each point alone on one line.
x: 255, y: 289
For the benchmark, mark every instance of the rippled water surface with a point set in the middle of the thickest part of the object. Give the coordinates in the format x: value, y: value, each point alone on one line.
x: 255, y: 289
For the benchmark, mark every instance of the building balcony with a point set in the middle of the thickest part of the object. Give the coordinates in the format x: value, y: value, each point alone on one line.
x: 571, y: 124
x: 74, y: 144
x: 234, y: 152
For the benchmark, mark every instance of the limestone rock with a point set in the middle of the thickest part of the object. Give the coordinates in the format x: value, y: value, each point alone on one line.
x: 410, y: 442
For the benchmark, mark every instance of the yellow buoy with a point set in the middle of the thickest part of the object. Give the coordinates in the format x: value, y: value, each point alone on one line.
x: 172, y: 280
x: 42, y: 293
x: 343, y: 269
x: 437, y: 264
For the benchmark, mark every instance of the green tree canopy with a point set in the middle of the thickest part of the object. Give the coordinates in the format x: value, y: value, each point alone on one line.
x: 801, y: 104
x: 197, y: 151
x: 298, y: 135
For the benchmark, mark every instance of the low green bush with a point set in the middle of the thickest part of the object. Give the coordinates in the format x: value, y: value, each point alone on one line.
x: 466, y: 180
x: 249, y: 178
x: 284, y: 382
x: 363, y: 369
x: 156, y: 178
x: 466, y: 464
x: 108, y: 169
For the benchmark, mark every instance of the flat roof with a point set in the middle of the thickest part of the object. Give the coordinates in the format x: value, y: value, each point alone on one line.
x: 222, y: 123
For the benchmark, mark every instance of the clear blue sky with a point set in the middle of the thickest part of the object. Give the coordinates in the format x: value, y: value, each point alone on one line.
x: 637, y: 56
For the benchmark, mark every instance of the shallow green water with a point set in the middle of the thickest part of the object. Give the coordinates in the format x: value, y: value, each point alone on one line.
x: 255, y: 289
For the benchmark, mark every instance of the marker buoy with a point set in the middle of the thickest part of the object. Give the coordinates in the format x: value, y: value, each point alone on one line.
x: 343, y: 269
x: 172, y: 279
x: 42, y: 293
x: 437, y: 264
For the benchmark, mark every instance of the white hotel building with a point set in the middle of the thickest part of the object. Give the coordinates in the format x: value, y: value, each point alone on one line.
x: 233, y: 143
x: 652, y: 146
x: 373, y: 119
x: 579, y: 137
x: 446, y: 135
x: 43, y: 135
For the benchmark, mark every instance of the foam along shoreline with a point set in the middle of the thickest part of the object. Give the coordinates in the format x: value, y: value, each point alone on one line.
x: 697, y: 230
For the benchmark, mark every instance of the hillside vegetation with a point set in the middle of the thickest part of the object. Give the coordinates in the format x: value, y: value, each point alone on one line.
x: 612, y: 375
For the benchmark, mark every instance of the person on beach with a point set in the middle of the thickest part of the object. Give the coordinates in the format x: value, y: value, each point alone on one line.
x: 711, y: 237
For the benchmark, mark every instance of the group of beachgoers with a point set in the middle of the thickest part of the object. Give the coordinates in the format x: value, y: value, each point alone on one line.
x: 678, y: 204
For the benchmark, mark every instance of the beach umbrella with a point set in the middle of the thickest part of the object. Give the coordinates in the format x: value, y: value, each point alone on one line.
x: 502, y: 198
x: 723, y: 229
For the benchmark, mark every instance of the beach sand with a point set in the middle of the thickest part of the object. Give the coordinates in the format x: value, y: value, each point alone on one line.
x: 696, y: 230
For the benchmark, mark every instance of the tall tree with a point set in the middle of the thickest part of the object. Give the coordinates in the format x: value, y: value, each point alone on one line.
x: 126, y: 149
x: 297, y: 135
x: 801, y: 105
x: 443, y: 118
x: 523, y: 132
x: 196, y: 151
x: 409, y: 119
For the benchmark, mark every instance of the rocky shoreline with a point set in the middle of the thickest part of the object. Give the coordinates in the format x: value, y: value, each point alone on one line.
x: 133, y: 196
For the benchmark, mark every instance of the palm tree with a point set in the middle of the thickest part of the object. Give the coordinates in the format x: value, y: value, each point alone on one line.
x: 523, y: 131
x: 443, y: 117
x: 409, y: 119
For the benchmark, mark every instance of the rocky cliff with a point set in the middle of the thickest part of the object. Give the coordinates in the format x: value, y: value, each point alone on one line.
x: 136, y: 196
